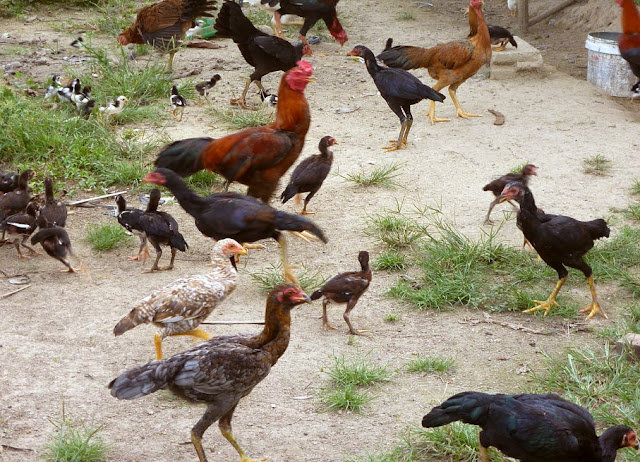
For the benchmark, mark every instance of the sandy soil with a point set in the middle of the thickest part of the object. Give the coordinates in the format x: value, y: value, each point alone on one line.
x: 56, y: 340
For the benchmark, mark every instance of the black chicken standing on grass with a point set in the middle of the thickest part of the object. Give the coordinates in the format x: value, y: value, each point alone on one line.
x: 533, y: 428
x: 220, y: 371
x: 560, y: 241
x: 400, y: 90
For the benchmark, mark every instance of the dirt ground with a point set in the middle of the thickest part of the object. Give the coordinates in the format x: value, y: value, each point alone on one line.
x: 56, y: 341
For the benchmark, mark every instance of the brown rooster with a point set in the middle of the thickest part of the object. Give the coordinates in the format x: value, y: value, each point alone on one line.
x: 256, y: 156
x: 163, y: 24
x: 451, y: 63
x: 221, y: 371
x: 182, y: 305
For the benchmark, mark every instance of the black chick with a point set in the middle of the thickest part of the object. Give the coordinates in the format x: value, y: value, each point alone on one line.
x: 220, y: 371
x: 497, y: 185
x: 345, y: 288
x: 560, y: 241
x: 203, y: 88
x: 178, y: 103
x: 309, y: 175
x: 130, y: 219
x: 400, y: 90
x: 501, y: 36
x: 54, y: 211
x: 8, y: 182
x: 55, y: 241
x: 533, y: 428
x: 235, y: 216
x: 161, y: 228
x: 20, y: 226
x: 264, y: 52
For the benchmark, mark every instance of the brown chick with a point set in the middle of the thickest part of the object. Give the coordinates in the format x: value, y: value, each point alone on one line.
x: 54, y: 211
x: 497, y: 185
x: 20, y: 226
x: 345, y: 288
x: 181, y: 306
x: 163, y: 24
x: 220, y: 371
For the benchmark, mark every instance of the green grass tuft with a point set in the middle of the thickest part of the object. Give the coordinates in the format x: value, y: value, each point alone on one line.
x: 390, y: 260
x: 107, y: 237
x: 240, y: 118
x: 357, y: 372
x: 204, y: 181
x: 345, y: 398
x: 596, y: 165
x: 406, y: 17
x: 273, y: 275
x: 75, y: 442
x: 635, y: 189
x: 394, y: 230
x: 431, y: 364
x: 383, y: 175
x: 391, y: 317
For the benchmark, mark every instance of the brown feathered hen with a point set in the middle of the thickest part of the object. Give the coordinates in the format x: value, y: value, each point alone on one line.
x: 163, y: 24
x: 221, y: 371
x: 181, y: 306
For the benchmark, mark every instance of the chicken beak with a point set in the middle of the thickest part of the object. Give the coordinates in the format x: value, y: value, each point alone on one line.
x: 242, y: 252
x: 502, y: 198
x: 310, y: 79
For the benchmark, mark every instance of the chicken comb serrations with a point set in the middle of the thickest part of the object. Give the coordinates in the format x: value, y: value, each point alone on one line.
x: 305, y: 66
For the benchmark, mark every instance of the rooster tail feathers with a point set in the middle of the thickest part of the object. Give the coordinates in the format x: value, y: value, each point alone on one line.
x: 389, y: 44
x: 469, y: 407
x: 144, y: 380
x: 288, y: 222
x: 131, y: 320
x: 198, y: 8
x: 597, y: 228
x: 184, y: 156
x: 406, y: 57
x: 288, y: 193
x: 430, y: 93
x: 232, y: 23
x: 316, y: 295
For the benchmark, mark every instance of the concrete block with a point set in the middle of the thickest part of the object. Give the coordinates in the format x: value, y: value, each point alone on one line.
x: 507, y: 64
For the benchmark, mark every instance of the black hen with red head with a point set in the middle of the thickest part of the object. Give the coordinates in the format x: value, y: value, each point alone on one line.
x: 532, y: 427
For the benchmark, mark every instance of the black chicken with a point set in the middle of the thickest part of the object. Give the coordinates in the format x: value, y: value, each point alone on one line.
x: 533, y: 428
x: 497, y: 185
x: 55, y: 241
x: 130, y: 219
x: 20, y: 226
x: 309, y: 175
x: 203, y: 88
x: 312, y: 11
x: 262, y: 51
x: 501, y: 36
x: 235, y: 216
x: 400, y: 89
x: 560, y: 241
x: 8, y: 182
x: 16, y: 201
x: 54, y: 211
x: 345, y: 288
x: 220, y: 371
x: 161, y: 228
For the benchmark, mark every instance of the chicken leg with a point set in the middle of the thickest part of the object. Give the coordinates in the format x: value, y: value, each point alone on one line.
x: 142, y: 250
x: 350, y: 305
x: 198, y: 333
x: 550, y: 302
x: 325, y: 319
x: 484, y: 454
x: 288, y: 271
x: 594, y: 308
x: 225, y: 429
x: 432, y: 106
x: 459, y: 112
x: 242, y: 100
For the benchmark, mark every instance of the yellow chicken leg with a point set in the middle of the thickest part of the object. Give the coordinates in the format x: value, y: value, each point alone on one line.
x: 432, y: 113
x: 484, y: 454
x: 456, y: 103
x: 157, y: 341
x: 225, y: 429
x: 594, y: 308
x: 550, y: 302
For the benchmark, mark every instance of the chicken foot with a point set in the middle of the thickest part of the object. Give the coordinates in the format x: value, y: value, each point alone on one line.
x: 459, y: 111
x: 278, y: 28
x: 225, y: 428
x: 142, y: 250
x: 550, y: 302
x: 402, y: 137
x: 594, y: 308
x: 242, y: 100
x: 483, y: 452
x: 325, y: 319
x: 350, y: 306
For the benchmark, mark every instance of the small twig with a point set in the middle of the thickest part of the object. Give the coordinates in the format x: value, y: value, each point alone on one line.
x: 499, y: 117
x: 9, y: 294
x: 213, y: 323
x: 82, y: 201
x: 14, y: 448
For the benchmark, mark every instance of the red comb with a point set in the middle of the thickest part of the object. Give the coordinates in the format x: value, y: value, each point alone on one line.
x: 306, y: 67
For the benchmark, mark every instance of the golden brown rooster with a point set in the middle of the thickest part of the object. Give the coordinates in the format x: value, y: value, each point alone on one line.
x: 163, y: 24
x: 451, y: 63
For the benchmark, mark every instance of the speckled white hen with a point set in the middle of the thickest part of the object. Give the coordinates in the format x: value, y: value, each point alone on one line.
x: 181, y: 306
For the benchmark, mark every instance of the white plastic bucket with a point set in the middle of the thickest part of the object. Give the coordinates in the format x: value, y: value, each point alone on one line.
x: 605, y: 68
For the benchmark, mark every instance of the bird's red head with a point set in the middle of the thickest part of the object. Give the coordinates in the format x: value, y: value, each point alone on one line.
x: 530, y: 169
x: 299, y: 76
x: 123, y: 40
x: 331, y: 141
x: 620, y: 2
x: 510, y: 192
x: 230, y: 247
x: 630, y: 440
x: 290, y: 294
x: 475, y: 4
x: 155, y: 178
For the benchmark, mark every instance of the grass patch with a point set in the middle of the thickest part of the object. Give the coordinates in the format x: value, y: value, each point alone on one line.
x: 259, y: 16
x: 406, y: 17
x: 240, y: 118
x: 107, y: 237
x: 390, y: 260
x: 75, y: 442
x: 632, y: 212
x: 382, y: 175
x: 395, y: 231
x: 635, y: 189
x: 431, y: 364
x: 346, y: 398
x: 115, y: 16
x: 391, y: 317
x: 204, y: 181
x: 273, y: 275
x: 596, y: 165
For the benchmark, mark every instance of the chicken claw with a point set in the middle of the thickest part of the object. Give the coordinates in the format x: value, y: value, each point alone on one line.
x: 465, y: 115
x: 546, y: 305
x: 594, y: 309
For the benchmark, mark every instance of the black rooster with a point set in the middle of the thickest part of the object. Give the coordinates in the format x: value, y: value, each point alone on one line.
x: 235, y: 216
x: 262, y: 51
x: 400, y: 89
x: 533, y: 428
x: 559, y: 240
